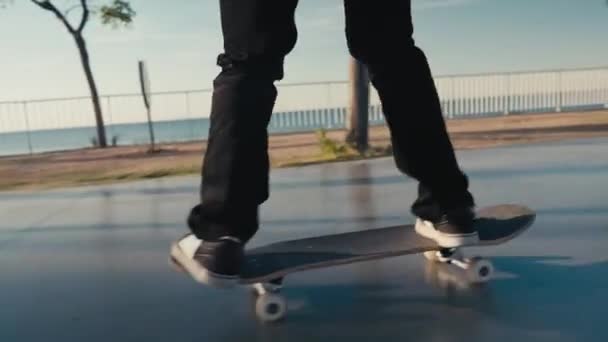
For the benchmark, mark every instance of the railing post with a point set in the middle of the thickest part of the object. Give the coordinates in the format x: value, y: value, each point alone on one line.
x: 188, y: 113
x: 27, y: 128
x: 507, y: 102
x: 452, y: 110
x: 328, y: 94
x: 559, y: 92
x: 327, y: 112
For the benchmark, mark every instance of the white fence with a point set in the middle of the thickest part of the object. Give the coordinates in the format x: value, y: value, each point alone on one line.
x: 56, y: 124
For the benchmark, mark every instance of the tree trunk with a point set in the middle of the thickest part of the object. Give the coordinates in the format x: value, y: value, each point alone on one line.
x: 84, y: 58
x: 357, y: 123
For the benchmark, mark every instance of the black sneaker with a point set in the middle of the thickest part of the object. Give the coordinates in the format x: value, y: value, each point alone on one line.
x: 453, y: 229
x: 214, y: 263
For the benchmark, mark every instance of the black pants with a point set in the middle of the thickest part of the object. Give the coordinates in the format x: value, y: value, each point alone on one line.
x: 258, y: 34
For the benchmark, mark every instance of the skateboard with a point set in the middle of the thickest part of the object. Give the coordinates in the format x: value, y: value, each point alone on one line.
x: 265, y: 267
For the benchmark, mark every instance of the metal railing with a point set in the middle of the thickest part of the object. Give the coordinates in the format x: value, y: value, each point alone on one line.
x: 68, y: 123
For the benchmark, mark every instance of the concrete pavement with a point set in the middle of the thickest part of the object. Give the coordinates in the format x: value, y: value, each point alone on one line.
x: 90, y: 264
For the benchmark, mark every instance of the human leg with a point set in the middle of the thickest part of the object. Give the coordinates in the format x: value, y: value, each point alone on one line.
x: 380, y: 35
x: 258, y: 34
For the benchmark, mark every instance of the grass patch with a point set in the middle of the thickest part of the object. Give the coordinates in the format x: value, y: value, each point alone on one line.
x: 91, y: 177
x: 133, y: 174
x: 331, y: 148
x: 349, y: 155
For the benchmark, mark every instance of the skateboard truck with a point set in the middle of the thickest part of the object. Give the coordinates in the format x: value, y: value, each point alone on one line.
x: 477, y: 269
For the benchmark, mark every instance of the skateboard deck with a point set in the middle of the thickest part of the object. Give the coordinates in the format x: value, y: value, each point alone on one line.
x: 495, y: 224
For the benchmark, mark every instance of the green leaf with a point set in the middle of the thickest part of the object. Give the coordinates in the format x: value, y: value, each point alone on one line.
x: 118, y: 13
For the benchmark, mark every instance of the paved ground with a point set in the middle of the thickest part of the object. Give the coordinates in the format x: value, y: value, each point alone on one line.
x: 90, y: 264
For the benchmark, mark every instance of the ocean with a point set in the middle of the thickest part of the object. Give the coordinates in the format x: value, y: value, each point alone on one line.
x: 181, y: 130
x: 17, y: 143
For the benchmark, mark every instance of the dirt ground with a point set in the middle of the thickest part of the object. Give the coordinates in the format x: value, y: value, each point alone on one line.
x: 93, y: 166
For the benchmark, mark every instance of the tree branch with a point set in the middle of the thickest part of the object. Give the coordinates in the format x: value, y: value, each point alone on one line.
x: 67, y: 12
x: 47, y: 5
x: 85, y: 15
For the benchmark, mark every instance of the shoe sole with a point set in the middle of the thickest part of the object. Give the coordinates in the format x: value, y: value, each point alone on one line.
x: 447, y: 240
x: 202, y: 275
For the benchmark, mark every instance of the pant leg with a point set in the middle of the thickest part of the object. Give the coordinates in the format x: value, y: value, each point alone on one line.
x: 380, y: 35
x: 258, y: 34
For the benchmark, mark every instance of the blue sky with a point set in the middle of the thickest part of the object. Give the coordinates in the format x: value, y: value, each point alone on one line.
x: 180, y: 40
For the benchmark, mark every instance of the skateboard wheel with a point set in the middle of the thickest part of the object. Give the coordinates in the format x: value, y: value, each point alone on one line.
x: 480, y: 270
x: 270, y: 307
